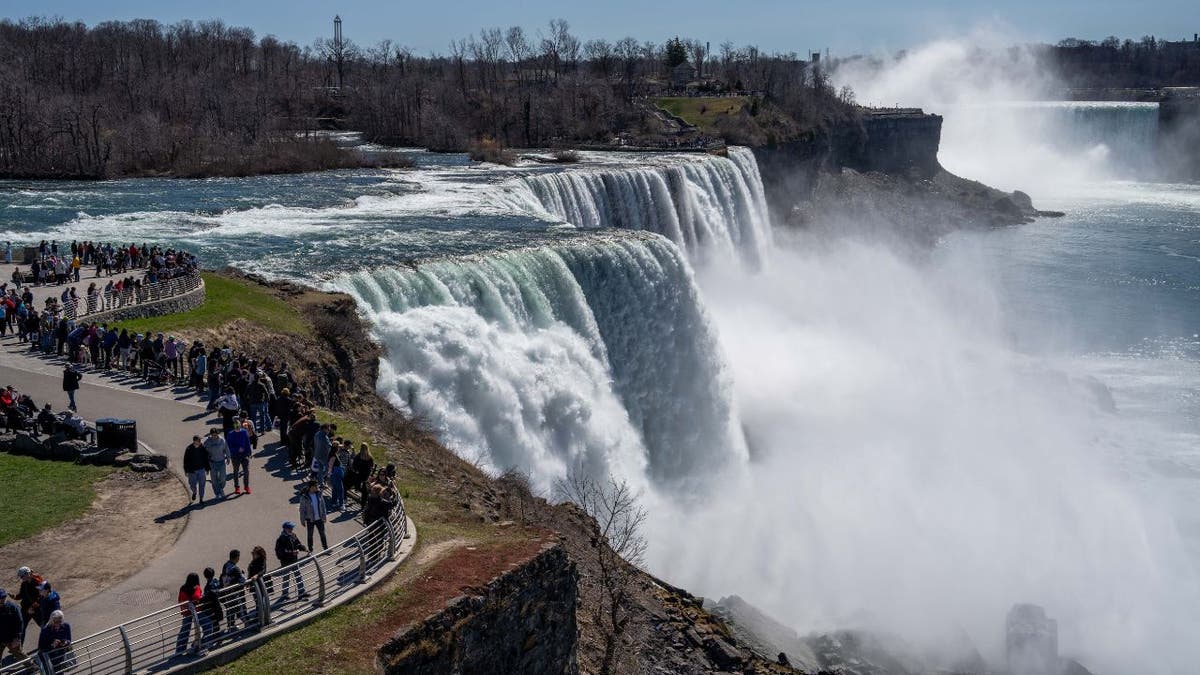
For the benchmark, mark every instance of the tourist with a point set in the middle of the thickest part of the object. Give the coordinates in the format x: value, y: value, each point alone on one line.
x: 232, y: 576
x: 28, y: 596
x: 48, y: 602
x: 210, y: 617
x: 287, y: 550
x: 258, y: 397
x: 313, y: 513
x: 258, y: 563
x: 336, y: 487
x: 238, y: 442
x: 190, y: 596
x: 322, y: 447
x: 195, y: 465
x: 55, y: 639
x: 12, y: 628
x: 361, y: 468
x: 227, y: 407
x: 70, y: 384
x: 199, y: 368
x: 218, y: 456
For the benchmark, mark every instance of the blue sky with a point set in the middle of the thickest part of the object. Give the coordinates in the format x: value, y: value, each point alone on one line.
x: 774, y: 25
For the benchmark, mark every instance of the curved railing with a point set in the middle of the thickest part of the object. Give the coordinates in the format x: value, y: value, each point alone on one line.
x: 130, y: 297
x: 183, y: 633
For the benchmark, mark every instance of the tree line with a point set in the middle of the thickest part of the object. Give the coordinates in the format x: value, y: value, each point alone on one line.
x: 203, y: 98
x: 1115, y: 63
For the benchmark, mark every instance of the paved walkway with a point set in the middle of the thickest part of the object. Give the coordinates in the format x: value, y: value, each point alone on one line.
x: 167, y: 419
x: 87, y: 276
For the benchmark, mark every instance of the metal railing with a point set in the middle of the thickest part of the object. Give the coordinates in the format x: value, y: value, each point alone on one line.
x: 106, y: 301
x: 183, y: 633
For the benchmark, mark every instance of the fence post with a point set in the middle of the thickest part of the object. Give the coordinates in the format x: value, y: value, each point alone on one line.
x: 391, y: 536
x: 128, y: 650
x: 263, y: 602
x: 362, y: 560
x: 320, y: 581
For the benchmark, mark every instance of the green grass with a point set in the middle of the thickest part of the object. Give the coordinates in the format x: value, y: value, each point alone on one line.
x: 41, y: 494
x: 702, y: 112
x: 227, y: 299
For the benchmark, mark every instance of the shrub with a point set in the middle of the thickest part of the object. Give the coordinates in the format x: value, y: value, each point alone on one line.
x: 488, y: 149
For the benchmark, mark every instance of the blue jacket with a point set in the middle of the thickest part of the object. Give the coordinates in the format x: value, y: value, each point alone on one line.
x: 48, y: 605
x: 239, y: 443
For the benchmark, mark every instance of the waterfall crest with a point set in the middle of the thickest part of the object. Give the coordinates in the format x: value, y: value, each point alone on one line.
x: 596, y: 353
x: 711, y: 207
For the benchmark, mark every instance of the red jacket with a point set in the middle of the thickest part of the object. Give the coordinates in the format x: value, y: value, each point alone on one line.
x: 193, y: 596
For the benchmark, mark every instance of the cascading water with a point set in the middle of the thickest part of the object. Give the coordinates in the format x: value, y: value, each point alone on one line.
x: 593, y: 355
x: 711, y: 207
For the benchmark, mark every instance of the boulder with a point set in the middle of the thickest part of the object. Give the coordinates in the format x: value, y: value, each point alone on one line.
x: 24, y: 444
x: 6, y: 442
x: 123, y: 459
x: 160, y: 461
x: 145, y: 467
x: 723, y: 654
x: 66, y: 451
x: 97, y: 456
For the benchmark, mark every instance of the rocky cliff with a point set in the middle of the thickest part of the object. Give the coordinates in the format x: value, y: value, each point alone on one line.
x: 521, y: 622
x: 881, y: 172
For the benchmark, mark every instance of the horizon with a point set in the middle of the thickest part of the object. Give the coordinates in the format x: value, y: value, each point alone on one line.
x: 868, y: 29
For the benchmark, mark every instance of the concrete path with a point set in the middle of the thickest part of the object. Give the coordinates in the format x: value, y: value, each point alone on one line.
x: 87, y: 276
x: 166, y: 422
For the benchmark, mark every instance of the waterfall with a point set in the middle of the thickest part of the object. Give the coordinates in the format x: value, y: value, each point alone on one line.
x: 595, y: 353
x: 709, y: 206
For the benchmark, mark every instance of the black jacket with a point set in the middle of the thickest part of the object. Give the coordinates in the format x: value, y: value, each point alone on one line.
x: 10, y: 622
x: 71, y: 378
x: 194, y: 458
x: 288, y: 548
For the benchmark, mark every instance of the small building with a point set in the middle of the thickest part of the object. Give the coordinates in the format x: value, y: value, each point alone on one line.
x: 682, y: 75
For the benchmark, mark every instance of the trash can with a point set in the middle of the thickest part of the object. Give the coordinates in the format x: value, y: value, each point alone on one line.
x: 115, y: 433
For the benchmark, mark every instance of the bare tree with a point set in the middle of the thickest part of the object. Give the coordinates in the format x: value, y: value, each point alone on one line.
x: 618, y: 545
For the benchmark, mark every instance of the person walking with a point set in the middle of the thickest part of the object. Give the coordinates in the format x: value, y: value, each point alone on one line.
x: 218, y: 456
x: 12, y: 626
x: 228, y: 407
x: 190, y: 596
x: 238, y: 441
x: 70, y: 384
x: 28, y: 596
x: 287, y: 550
x: 195, y: 463
x: 313, y: 513
x: 48, y: 603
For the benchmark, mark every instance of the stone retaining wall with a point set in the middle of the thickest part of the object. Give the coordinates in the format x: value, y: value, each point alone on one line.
x: 522, y: 622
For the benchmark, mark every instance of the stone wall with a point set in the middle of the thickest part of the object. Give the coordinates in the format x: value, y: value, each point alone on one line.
x: 521, y: 622
x: 173, y: 305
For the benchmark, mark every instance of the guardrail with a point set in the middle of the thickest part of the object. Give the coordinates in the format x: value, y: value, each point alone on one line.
x: 128, y: 297
x: 183, y: 633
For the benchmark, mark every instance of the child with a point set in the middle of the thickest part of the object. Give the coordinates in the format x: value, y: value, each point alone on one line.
x: 337, y: 488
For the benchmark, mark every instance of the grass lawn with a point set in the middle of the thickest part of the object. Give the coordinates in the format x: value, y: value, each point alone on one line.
x: 702, y: 112
x: 40, y: 494
x: 227, y: 299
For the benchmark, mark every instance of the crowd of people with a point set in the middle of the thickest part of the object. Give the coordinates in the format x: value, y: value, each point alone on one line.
x: 251, y: 397
x: 142, y: 266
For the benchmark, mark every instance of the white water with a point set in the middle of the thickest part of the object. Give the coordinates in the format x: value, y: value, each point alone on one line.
x: 591, y: 355
x: 713, y: 208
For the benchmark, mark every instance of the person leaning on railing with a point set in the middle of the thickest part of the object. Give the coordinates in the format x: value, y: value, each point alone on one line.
x: 190, y: 595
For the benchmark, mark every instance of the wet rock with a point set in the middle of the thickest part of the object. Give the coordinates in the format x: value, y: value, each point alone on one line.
x: 723, y: 654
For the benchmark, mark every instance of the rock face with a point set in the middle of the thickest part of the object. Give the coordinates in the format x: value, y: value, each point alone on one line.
x: 763, y: 634
x: 521, y: 622
x: 1179, y: 135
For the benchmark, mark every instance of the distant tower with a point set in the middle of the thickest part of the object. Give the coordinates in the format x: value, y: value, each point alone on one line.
x: 338, y: 50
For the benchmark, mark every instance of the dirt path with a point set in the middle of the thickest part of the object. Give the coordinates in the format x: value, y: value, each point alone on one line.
x: 116, y: 537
